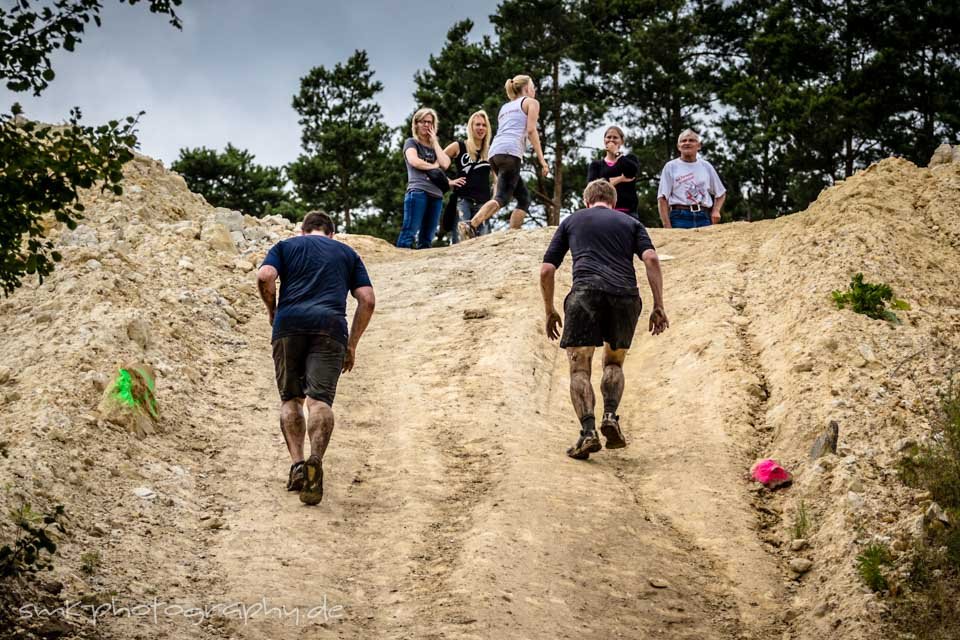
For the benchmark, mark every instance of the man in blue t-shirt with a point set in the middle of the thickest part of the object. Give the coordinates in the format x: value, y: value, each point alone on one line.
x: 603, y: 305
x: 311, y: 346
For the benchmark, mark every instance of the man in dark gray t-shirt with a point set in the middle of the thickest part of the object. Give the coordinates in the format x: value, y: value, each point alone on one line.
x: 603, y: 305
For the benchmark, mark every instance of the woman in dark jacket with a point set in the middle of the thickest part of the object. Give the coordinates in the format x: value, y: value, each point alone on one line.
x: 618, y: 169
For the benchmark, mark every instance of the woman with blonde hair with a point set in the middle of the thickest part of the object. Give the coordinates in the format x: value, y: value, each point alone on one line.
x: 516, y: 122
x: 471, y: 187
x: 425, y: 162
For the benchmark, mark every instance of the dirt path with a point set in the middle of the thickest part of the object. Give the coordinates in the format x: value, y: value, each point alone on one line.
x: 450, y: 510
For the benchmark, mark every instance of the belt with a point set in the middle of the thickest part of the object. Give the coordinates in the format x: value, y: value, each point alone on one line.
x: 695, y: 208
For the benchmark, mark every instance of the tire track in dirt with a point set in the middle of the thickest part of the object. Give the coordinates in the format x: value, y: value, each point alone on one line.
x: 686, y: 405
x: 695, y: 605
x: 399, y: 482
x: 450, y: 508
x: 562, y: 548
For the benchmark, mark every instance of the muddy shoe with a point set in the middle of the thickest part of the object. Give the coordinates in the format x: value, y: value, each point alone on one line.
x: 610, y: 428
x: 587, y: 444
x: 295, y: 481
x: 312, y: 490
x: 467, y: 232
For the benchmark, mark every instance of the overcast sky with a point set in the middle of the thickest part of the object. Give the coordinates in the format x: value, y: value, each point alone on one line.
x: 230, y: 74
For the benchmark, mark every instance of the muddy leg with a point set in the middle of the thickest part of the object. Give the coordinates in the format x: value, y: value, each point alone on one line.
x: 581, y: 391
x: 293, y: 427
x: 319, y: 426
x: 611, y: 386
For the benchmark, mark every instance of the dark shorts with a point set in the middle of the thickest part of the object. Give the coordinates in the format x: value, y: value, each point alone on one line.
x: 308, y: 365
x: 510, y: 183
x: 592, y: 317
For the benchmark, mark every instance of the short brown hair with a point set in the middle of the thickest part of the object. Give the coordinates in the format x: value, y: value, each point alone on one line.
x: 318, y: 221
x: 600, y: 191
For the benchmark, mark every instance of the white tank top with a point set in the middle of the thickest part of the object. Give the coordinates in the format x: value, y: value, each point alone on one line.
x: 511, y: 138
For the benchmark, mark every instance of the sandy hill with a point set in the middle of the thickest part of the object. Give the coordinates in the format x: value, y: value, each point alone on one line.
x: 450, y: 509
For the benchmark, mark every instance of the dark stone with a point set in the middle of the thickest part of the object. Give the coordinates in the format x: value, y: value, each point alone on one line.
x: 827, y: 442
x: 53, y: 587
x: 55, y: 628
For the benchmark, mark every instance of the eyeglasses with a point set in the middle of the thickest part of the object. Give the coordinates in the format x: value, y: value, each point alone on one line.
x: 424, y: 121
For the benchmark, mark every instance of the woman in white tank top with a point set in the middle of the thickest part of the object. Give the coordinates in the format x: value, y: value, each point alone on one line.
x: 517, y: 122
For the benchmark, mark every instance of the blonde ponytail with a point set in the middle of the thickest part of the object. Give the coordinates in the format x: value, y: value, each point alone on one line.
x: 515, y: 85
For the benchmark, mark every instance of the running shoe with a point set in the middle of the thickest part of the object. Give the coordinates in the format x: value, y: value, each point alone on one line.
x: 467, y: 232
x: 610, y: 428
x: 312, y: 491
x: 587, y: 444
x: 295, y: 481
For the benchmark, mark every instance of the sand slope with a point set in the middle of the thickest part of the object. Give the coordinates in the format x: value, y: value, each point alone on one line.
x: 450, y: 509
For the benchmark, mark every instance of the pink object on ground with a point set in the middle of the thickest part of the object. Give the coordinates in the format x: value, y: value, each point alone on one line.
x: 770, y: 474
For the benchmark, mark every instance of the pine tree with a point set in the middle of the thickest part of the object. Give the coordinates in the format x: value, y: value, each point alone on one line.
x: 231, y: 179
x: 462, y: 79
x: 343, y: 136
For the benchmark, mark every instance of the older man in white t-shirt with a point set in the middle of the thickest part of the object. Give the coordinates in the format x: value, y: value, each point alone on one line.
x: 690, y: 194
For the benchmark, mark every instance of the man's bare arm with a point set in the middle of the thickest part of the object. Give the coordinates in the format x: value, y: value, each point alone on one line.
x: 547, y: 285
x: 664, y: 210
x: 717, y: 206
x: 366, y: 303
x: 658, y: 318
x: 267, y: 285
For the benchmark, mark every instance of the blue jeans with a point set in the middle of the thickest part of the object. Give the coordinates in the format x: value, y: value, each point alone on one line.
x: 421, y: 217
x: 467, y: 209
x: 685, y: 219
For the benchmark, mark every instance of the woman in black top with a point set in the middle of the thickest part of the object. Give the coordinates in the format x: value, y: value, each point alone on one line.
x: 619, y: 170
x: 472, y: 184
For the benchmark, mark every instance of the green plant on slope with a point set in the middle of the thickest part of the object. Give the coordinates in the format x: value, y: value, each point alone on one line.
x: 801, y: 522
x: 869, y: 299
x: 870, y: 563
x: 90, y: 562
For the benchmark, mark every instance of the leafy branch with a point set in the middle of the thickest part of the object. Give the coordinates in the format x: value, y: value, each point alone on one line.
x: 870, y: 299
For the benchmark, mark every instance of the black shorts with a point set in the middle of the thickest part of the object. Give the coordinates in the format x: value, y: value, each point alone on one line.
x: 592, y: 317
x: 510, y: 183
x: 308, y: 364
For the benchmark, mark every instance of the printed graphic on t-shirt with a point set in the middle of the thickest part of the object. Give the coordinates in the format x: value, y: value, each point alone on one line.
x: 687, y: 185
x: 469, y: 164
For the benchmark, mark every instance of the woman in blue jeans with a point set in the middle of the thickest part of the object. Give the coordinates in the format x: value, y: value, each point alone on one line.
x: 421, y: 205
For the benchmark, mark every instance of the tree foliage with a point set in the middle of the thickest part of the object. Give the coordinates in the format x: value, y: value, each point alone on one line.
x: 343, y: 137
x: 811, y: 91
x: 29, y: 34
x: 462, y: 79
x: 388, y: 188
x: 790, y: 96
x: 43, y: 168
x: 231, y: 179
